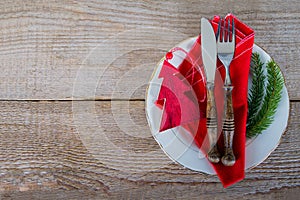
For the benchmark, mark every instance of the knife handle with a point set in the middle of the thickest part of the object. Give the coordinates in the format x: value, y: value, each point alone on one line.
x: 212, y: 125
x: 228, y: 127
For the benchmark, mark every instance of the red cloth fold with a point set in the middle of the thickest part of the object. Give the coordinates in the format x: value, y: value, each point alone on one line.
x: 183, y: 97
x: 174, y: 93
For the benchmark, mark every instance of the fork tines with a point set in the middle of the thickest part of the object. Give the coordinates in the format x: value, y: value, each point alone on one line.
x: 226, y: 30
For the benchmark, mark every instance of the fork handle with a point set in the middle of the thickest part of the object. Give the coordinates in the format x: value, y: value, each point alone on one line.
x: 228, y: 128
x: 212, y: 126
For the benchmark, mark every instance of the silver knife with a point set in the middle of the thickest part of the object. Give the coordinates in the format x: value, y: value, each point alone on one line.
x: 209, y: 57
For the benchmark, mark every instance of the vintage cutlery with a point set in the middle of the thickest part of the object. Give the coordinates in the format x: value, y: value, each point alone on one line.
x: 225, y: 49
x: 209, y: 57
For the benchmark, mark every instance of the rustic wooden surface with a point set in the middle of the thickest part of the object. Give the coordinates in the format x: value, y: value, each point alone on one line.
x: 53, y: 52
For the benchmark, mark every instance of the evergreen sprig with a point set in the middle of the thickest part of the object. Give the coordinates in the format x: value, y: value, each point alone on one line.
x: 257, y: 90
x: 263, y: 102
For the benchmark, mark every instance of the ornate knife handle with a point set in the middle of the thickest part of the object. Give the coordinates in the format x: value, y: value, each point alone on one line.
x: 228, y: 128
x: 212, y: 125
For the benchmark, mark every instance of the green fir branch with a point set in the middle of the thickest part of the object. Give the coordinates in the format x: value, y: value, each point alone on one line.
x: 262, y: 115
x: 257, y: 91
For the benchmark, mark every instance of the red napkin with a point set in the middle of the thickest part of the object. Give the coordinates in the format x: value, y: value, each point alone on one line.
x: 176, y: 91
x: 183, y: 97
x: 182, y: 94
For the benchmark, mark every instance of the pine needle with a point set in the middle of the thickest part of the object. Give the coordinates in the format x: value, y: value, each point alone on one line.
x: 261, y: 115
x: 257, y: 91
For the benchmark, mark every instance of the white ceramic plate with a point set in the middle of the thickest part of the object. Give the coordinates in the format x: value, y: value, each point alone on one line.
x: 178, y: 144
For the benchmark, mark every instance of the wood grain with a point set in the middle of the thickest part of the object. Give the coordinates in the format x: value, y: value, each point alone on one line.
x: 63, y: 49
x: 45, y: 151
x: 52, y: 52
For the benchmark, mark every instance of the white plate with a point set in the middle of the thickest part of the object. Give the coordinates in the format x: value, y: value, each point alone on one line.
x: 178, y: 144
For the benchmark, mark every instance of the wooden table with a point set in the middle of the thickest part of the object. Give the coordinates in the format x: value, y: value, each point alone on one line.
x: 72, y: 90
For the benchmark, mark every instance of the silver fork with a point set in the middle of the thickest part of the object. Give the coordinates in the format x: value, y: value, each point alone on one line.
x: 225, y: 51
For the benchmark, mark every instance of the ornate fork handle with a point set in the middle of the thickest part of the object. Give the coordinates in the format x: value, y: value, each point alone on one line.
x: 228, y: 127
x: 212, y: 125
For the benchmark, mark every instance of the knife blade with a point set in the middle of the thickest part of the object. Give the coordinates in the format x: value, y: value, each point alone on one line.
x: 209, y: 57
x: 209, y: 49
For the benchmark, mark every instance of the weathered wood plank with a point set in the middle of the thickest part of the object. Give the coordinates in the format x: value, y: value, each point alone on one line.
x: 284, y: 193
x: 62, y: 149
x: 107, y: 50
x: 45, y: 45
